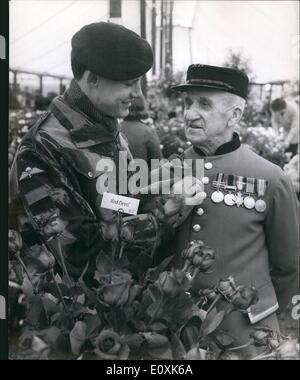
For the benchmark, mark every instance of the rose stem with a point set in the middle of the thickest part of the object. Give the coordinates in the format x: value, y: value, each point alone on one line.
x: 158, y: 307
x: 214, y: 302
x: 261, y: 357
x: 58, y: 289
x: 63, y: 262
x: 239, y: 347
x: 121, y: 250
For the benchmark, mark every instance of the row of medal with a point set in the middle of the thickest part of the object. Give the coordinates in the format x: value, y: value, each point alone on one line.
x: 239, y: 191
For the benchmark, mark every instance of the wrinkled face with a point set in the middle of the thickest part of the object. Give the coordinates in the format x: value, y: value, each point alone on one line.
x: 206, y: 115
x: 114, y: 98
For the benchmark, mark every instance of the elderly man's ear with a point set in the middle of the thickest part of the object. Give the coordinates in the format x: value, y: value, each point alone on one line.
x: 236, y: 116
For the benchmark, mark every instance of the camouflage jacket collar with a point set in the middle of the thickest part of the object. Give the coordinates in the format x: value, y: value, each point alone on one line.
x: 86, y: 125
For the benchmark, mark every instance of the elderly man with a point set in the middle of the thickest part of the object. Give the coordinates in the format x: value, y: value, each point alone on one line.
x: 59, y: 174
x: 250, y: 214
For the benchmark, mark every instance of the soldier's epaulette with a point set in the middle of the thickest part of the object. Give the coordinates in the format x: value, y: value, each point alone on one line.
x: 41, y: 120
x: 33, y: 130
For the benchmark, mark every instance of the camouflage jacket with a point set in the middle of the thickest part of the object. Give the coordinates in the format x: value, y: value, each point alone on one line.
x: 54, y: 175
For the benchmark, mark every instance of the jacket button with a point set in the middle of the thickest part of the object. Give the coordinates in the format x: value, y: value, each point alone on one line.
x: 205, y: 180
x: 200, y: 211
x: 196, y: 227
x: 90, y: 174
x: 208, y: 165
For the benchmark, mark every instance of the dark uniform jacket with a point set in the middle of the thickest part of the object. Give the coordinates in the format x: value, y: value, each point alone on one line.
x: 142, y: 139
x: 54, y: 173
x: 259, y: 248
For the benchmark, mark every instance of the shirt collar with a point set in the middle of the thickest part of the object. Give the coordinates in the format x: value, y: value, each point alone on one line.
x: 228, y: 147
x: 81, y: 103
x: 85, y: 123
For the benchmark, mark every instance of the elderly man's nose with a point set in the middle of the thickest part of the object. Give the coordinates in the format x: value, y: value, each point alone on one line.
x: 192, y: 114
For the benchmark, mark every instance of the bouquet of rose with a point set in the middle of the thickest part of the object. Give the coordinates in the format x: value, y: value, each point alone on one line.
x: 130, y: 310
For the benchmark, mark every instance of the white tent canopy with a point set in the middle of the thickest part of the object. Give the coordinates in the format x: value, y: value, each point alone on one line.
x: 265, y: 31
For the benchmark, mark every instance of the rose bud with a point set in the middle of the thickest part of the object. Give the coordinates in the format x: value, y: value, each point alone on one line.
x: 194, y: 247
x: 155, y: 340
x: 261, y: 337
x: 53, y: 227
x: 197, y: 260
x: 25, y: 341
x: 287, y: 350
x: 194, y: 354
x: 127, y: 232
x: 229, y: 355
x: 245, y: 297
x: 181, y: 278
x: 208, y: 258
x: 168, y: 284
x: 15, y: 242
x: 172, y: 283
x: 117, y: 292
x: 43, y: 259
x: 109, y: 345
x: 227, y: 287
x: 209, y: 293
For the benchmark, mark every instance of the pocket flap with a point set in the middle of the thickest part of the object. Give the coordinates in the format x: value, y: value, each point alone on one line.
x: 266, y: 305
x: 85, y: 162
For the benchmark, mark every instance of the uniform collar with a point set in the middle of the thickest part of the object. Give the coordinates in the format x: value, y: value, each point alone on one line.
x: 85, y: 123
x: 228, y: 147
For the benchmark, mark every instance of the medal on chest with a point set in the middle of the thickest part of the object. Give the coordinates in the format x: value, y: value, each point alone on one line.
x: 249, y: 201
x: 230, y: 198
x: 217, y: 196
x: 260, y: 204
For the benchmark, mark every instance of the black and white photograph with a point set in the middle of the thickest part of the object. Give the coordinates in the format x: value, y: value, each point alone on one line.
x: 153, y: 182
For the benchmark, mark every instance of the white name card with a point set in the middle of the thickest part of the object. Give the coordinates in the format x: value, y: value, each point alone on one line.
x: 120, y: 203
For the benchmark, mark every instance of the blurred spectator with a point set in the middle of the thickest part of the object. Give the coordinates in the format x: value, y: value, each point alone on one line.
x: 285, y: 120
x: 292, y: 170
x: 171, y: 115
x: 40, y: 102
x: 171, y: 144
x: 142, y: 138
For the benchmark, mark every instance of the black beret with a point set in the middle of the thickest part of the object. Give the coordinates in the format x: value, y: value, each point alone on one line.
x: 218, y: 78
x: 112, y: 51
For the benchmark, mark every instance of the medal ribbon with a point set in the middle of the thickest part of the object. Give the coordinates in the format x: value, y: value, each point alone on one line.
x: 230, y: 182
x: 250, y: 185
x: 240, y: 182
x: 219, y: 181
x: 261, y: 187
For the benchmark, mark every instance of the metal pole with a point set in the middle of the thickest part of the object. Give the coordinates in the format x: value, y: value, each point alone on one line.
x: 143, y: 35
x: 154, y: 35
x: 15, y: 82
x: 41, y: 84
x: 166, y: 37
x: 171, y: 35
x: 161, y: 35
